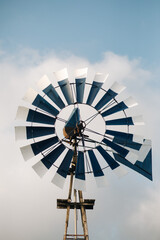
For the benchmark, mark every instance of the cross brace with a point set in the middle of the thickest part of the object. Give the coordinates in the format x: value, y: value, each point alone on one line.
x: 87, y: 204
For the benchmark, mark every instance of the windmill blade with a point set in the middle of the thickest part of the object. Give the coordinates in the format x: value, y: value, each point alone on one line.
x: 35, y: 99
x: 125, y: 136
x: 126, y: 139
x: 26, y: 114
x: 96, y: 85
x: 63, y: 169
x: 79, y: 182
x: 128, y: 103
x: 97, y: 171
x: 130, y: 156
x: 46, y: 86
x: 145, y: 149
x: 45, y: 163
x: 111, y: 162
x: 33, y: 149
x: 22, y: 133
x: 128, y: 144
x: 144, y: 166
x: 136, y: 120
x: 80, y: 78
x: 62, y: 77
x: 142, y: 150
x: 115, y: 89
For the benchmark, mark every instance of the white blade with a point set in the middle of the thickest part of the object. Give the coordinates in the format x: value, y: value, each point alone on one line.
x: 40, y: 169
x: 138, y: 120
x: 101, y: 181
x: 79, y: 184
x: 120, y: 171
x: 62, y: 74
x: 117, y: 88
x: 58, y: 180
x: 130, y: 102
x: 30, y: 95
x: 100, y: 77
x: 27, y: 152
x: 81, y: 73
x: 22, y: 113
x: 44, y: 82
x: 20, y: 133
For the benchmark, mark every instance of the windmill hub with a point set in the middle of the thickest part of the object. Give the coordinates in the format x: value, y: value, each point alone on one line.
x: 79, y: 124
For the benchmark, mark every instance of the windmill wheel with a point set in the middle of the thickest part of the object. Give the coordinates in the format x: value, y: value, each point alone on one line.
x: 85, y: 117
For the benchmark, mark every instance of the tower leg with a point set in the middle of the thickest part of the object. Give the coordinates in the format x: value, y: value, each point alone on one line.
x: 68, y: 207
x: 75, y: 213
x: 83, y: 216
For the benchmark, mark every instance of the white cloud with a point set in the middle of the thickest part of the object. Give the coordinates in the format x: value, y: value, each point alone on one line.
x: 145, y: 218
x: 29, y: 204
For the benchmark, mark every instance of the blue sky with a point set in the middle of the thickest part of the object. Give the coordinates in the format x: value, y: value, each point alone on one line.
x: 85, y: 28
x: 119, y: 37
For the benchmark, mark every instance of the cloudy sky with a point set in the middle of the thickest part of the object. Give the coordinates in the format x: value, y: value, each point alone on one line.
x: 116, y: 37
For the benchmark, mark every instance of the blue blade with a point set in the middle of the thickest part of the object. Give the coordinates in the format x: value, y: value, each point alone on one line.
x: 80, y: 85
x: 120, y: 121
x: 144, y: 168
x: 66, y: 89
x: 94, y: 91
x: 125, y: 139
x: 53, y: 95
x: 52, y: 156
x: 33, y: 132
x: 127, y: 143
x: 122, y: 151
x: 119, y: 107
x: 120, y: 135
x: 41, y: 103
x: 64, y: 167
x: 97, y: 171
x: 44, y: 144
x: 80, y: 169
x: 108, y: 96
x: 34, y: 116
x: 111, y: 162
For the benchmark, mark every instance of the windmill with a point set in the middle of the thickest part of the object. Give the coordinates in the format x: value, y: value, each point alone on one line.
x: 88, y: 129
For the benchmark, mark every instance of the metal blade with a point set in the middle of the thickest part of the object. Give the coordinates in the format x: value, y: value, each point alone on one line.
x: 22, y: 133
x: 62, y: 77
x: 35, y: 148
x: 79, y: 182
x: 126, y: 143
x: 128, y: 103
x: 141, y: 150
x: 144, y: 168
x: 80, y: 79
x: 125, y: 136
x: 130, y: 156
x: 111, y: 162
x: 63, y: 169
x: 26, y: 114
x: 35, y: 99
x: 46, y: 86
x: 115, y: 89
x: 96, y: 85
x: 42, y: 166
x: 97, y: 171
x: 137, y: 120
